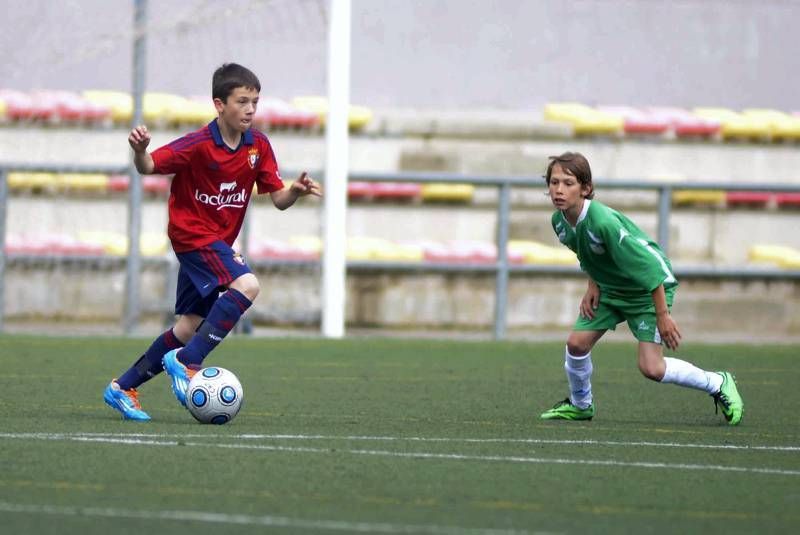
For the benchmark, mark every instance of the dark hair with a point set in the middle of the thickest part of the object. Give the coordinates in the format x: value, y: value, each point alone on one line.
x: 230, y: 76
x: 575, y: 164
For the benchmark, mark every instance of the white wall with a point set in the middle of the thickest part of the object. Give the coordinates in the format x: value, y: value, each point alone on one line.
x: 442, y: 54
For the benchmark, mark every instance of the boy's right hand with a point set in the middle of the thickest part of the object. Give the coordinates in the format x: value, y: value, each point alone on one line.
x: 590, y: 301
x: 139, y: 138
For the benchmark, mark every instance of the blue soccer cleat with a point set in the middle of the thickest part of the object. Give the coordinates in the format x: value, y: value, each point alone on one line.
x: 125, y: 401
x: 179, y: 373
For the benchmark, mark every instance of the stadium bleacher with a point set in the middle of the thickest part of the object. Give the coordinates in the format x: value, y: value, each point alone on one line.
x: 584, y: 119
x: 750, y: 199
x: 358, y: 116
x: 98, y: 185
x: 636, y: 121
x: 448, y: 193
x: 102, y: 108
x: 684, y: 124
x: 652, y: 129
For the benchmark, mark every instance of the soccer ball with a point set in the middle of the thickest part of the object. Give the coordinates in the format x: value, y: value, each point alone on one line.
x: 214, y: 396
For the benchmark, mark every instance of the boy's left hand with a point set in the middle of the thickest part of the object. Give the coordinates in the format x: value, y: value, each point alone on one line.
x: 669, y: 331
x: 305, y: 185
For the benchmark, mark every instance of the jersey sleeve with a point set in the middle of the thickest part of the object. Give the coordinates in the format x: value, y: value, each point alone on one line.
x: 269, y: 178
x: 173, y: 157
x: 635, y: 256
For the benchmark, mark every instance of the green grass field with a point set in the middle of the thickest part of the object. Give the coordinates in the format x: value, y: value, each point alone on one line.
x: 395, y: 436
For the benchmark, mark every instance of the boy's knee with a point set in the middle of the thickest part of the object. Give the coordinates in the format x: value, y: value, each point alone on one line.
x: 577, y: 346
x: 186, y: 326
x: 247, y: 285
x: 652, y: 370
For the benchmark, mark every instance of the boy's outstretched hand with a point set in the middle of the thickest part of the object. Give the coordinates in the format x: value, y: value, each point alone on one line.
x: 305, y: 185
x: 139, y: 138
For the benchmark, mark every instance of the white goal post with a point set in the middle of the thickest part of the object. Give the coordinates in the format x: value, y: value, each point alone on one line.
x: 334, y: 233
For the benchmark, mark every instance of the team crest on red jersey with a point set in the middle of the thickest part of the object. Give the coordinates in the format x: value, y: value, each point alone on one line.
x: 252, y: 157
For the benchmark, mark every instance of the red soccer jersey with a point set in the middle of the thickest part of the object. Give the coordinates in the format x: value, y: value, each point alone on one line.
x: 213, y: 184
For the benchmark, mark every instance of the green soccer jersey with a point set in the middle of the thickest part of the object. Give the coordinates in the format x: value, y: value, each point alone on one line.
x: 614, y: 252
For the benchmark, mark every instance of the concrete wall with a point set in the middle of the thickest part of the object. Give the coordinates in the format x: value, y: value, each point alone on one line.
x: 432, y: 302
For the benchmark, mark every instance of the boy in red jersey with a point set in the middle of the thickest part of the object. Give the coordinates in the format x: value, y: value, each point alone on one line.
x: 214, y: 170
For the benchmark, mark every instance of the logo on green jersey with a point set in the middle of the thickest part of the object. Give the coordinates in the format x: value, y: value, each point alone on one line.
x: 561, y: 231
x: 595, y: 243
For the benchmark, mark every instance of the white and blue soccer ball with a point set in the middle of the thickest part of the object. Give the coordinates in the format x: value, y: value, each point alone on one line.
x: 214, y: 396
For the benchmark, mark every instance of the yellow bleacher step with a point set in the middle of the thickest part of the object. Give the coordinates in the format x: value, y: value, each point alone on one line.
x: 120, y: 103
x: 116, y: 244
x: 585, y: 120
x: 734, y: 124
x: 782, y: 126
x: 447, y: 192
x: 533, y: 252
x: 86, y: 182
x: 357, y: 117
x: 698, y: 197
x: 24, y: 181
x: 782, y: 256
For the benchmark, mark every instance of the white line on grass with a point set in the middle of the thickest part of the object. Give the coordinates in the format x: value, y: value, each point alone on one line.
x: 261, y: 520
x: 369, y: 438
x: 401, y: 454
x: 520, y: 441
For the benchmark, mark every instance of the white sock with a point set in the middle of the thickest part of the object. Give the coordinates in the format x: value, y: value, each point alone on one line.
x: 579, y: 375
x: 686, y: 374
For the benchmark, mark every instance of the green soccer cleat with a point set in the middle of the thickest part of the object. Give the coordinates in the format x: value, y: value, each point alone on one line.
x: 565, y: 410
x: 728, y: 399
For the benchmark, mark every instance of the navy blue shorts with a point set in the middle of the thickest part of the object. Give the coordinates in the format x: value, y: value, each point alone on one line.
x: 203, y: 274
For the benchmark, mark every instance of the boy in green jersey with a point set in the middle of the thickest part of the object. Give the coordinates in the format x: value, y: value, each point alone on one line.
x: 630, y: 279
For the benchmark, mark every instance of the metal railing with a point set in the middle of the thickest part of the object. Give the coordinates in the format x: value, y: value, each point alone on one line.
x: 502, y: 268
